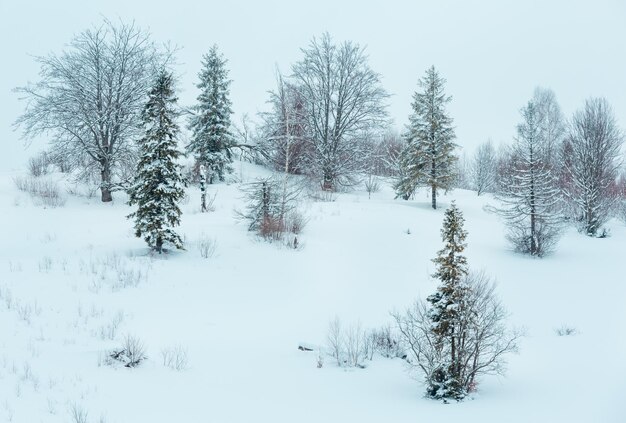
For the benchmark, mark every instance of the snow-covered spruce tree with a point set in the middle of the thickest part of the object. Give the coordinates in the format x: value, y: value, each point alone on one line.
x: 428, y: 159
x: 530, y: 197
x: 592, y: 164
x: 158, y: 184
x: 446, y: 303
x: 212, y: 138
x: 458, y: 333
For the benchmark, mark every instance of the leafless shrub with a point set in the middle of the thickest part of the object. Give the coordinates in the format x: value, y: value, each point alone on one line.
x: 386, y: 342
x: 109, y: 331
x: 566, y: 330
x: 293, y: 243
x: 320, y: 359
x: 61, y: 161
x: 51, y: 406
x: 135, y: 350
x: 207, y: 246
x: 132, y: 352
x: 27, y: 372
x: 38, y: 165
x: 323, y: 196
x: 336, y: 340
x: 22, y: 183
x: 78, y: 414
x: 175, y: 358
x: 128, y: 277
x: 369, y: 345
x: 115, y: 271
x: 295, y: 222
x: 348, y: 346
x: 82, y: 190
x: 15, y: 266
x: 25, y: 312
x: 355, y: 345
x: 43, y: 191
x: 7, y: 296
x: 271, y: 228
x: 372, y: 185
x: 45, y: 264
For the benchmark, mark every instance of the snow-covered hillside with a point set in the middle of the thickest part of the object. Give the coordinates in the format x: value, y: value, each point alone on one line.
x: 74, y: 282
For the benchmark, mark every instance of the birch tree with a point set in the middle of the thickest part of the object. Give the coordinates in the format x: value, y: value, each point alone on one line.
x: 284, y: 128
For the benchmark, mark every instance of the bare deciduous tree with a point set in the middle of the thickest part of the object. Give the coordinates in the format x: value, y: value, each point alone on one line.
x: 551, y: 121
x: 355, y: 342
x: 284, y: 129
x: 343, y: 98
x: 592, y: 163
x: 90, y: 99
x: 484, y: 167
x: 336, y: 340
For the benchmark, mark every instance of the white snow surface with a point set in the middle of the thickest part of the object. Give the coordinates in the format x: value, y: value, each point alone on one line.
x: 242, y: 313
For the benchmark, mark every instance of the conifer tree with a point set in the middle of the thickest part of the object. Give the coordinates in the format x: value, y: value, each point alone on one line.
x: 447, y: 308
x: 158, y: 185
x: 428, y: 159
x: 530, y: 198
x: 212, y: 138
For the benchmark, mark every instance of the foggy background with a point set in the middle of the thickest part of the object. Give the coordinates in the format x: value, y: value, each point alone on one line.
x: 492, y: 53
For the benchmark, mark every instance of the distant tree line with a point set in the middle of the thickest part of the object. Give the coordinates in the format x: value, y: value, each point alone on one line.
x: 327, y: 120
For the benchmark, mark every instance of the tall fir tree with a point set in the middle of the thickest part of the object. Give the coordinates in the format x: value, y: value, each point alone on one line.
x: 212, y: 138
x: 447, y: 307
x: 428, y: 159
x: 158, y: 184
x: 530, y: 198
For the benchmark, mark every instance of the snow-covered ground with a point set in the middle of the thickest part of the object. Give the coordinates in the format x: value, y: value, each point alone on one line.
x: 74, y: 281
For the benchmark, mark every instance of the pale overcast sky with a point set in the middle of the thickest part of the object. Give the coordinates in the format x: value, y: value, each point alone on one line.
x: 493, y: 53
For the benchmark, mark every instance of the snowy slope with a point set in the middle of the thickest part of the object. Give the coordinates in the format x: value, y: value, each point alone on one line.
x: 242, y: 314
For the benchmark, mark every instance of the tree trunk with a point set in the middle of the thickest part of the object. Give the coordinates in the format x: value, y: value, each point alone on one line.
x: 105, y: 184
x: 202, y: 189
x: 159, y: 245
x: 433, y: 177
x: 434, y: 197
x: 327, y: 184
